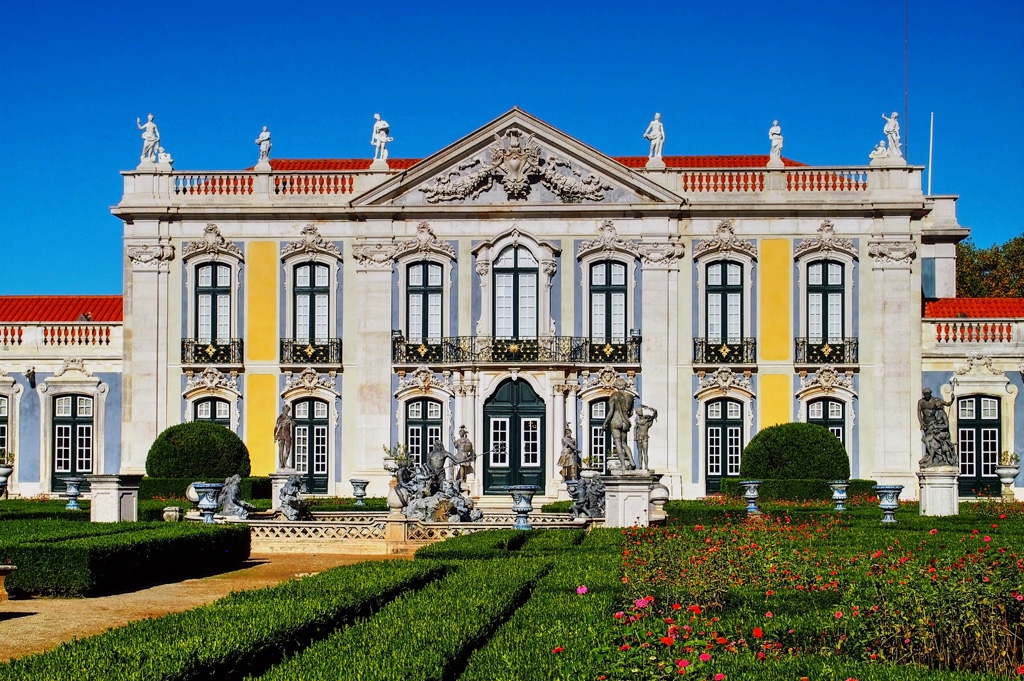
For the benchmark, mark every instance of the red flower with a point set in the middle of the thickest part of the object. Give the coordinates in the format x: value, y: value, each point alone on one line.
x: 667, y: 640
x: 676, y: 606
x: 876, y: 554
x: 721, y: 640
x: 758, y: 632
x: 769, y: 614
x: 557, y: 650
x: 695, y: 609
x: 933, y: 531
x: 624, y: 646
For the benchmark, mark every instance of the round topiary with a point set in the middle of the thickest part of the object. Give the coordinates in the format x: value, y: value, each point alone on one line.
x: 198, y: 450
x: 795, y: 451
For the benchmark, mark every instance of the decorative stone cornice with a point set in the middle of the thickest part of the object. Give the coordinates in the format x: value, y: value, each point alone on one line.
x: 826, y: 379
x: 150, y: 257
x: 725, y: 241
x: 311, y: 243
x: 375, y: 256
x: 892, y: 252
x: 724, y: 381
x: 826, y: 242
x: 310, y: 381
x: 424, y: 380
x: 211, y: 381
x: 212, y: 243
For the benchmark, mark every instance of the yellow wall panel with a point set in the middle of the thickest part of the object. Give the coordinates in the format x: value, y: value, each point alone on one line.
x: 775, y: 340
x: 775, y: 395
x: 261, y: 278
x: 260, y: 415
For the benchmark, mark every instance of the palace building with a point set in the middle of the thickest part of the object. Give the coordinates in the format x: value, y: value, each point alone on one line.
x: 505, y: 283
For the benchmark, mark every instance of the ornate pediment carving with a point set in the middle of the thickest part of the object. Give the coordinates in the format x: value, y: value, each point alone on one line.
x: 605, y: 379
x: 609, y: 241
x: 826, y: 379
x: 723, y: 381
x: 725, y: 241
x: 210, y: 381
x: 978, y: 364
x: 423, y: 380
x: 310, y: 381
x: 825, y: 242
x: 375, y: 256
x: 150, y: 257
x: 310, y: 243
x: 516, y: 161
x: 893, y: 252
x: 72, y: 364
x: 211, y: 243
x: 425, y: 241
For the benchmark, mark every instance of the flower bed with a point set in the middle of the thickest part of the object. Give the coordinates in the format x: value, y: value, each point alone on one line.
x: 244, y: 633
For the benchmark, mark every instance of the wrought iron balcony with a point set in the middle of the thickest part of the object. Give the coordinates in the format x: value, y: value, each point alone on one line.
x: 826, y: 351
x: 725, y: 351
x: 205, y: 351
x: 306, y: 351
x: 490, y: 350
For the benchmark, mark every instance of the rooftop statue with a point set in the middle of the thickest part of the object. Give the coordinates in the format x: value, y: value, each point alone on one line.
x: 892, y: 133
x: 150, y: 139
x: 263, y: 141
x: 775, y: 135
x: 656, y: 134
x: 879, y: 151
x: 380, y: 138
x: 931, y: 415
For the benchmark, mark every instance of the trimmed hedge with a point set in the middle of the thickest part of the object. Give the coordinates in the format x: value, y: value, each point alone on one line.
x: 795, y: 451
x: 198, y: 450
x: 35, y: 509
x: 797, y: 490
x: 244, y: 633
x: 174, y: 488
x: 115, y: 563
x: 481, y: 545
x: 426, y: 635
x: 557, y: 507
x: 14, y: 533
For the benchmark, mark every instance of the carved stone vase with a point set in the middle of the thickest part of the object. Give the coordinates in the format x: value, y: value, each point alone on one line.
x: 359, y: 490
x: 395, y: 501
x: 751, y: 494
x: 73, y: 490
x: 522, y: 505
x: 839, y: 488
x: 888, y: 501
x: 208, y: 493
x: 1007, y: 475
x: 5, y: 474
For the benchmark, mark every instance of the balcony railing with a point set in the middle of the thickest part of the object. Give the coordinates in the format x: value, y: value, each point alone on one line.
x: 725, y: 351
x: 490, y: 350
x: 306, y: 351
x: 826, y: 351
x: 205, y: 351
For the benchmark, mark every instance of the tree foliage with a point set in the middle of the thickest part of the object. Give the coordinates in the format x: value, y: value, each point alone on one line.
x: 993, y: 272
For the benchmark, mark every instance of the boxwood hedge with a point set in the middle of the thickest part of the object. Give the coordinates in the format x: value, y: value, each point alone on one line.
x: 198, y: 450
x: 797, y: 490
x: 795, y: 451
x: 174, y: 488
x: 475, y: 546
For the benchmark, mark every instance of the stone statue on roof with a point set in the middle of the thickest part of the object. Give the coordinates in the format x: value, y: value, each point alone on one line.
x: 263, y: 142
x: 150, y: 139
x: 892, y: 133
x: 380, y: 138
x: 775, y: 153
x: 656, y: 134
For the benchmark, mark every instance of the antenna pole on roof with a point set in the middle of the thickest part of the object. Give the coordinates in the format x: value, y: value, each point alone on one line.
x: 906, y: 80
x: 931, y: 144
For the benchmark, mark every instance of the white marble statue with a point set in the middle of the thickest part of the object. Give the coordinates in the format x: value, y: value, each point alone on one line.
x: 775, y: 135
x: 656, y: 134
x: 150, y: 139
x: 381, y: 136
x: 263, y: 141
x: 879, y: 151
x: 163, y: 157
x: 892, y: 133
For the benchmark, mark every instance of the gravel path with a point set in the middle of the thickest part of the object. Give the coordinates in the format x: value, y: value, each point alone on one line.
x: 37, y: 624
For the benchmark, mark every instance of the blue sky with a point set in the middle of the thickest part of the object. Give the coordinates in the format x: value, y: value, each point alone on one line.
x: 75, y: 76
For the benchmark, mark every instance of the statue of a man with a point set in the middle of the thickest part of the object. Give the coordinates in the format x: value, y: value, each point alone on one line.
x: 656, y: 134
x: 645, y: 418
x: 931, y: 415
x: 283, y: 430
x: 892, y: 133
x: 569, y: 461
x: 620, y: 411
x: 263, y: 142
x: 380, y: 138
x: 775, y: 135
x: 464, y: 454
x: 150, y: 137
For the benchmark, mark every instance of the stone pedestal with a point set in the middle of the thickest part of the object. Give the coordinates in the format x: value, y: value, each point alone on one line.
x: 655, y: 163
x: 4, y: 571
x: 115, y: 498
x: 277, y: 481
x: 939, y: 494
x: 379, y: 165
x: 627, y: 498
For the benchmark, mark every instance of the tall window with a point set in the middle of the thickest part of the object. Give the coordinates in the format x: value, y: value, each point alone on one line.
x: 608, y: 302
x: 723, y: 440
x: 830, y: 414
x: 978, y: 442
x: 213, y: 303
x: 600, y: 439
x: 424, y: 307
x: 724, y: 302
x: 310, y: 443
x: 422, y: 427
x: 515, y: 294
x: 825, y: 292
x: 213, y: 410
x: 4, y: 420
x: 312, y: 302
x: 72, y: 437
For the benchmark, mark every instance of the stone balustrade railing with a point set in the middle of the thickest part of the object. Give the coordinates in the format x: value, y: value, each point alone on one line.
x: 84, y: 335
x: 957, y: 336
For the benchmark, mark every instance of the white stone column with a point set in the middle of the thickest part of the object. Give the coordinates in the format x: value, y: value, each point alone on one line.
x: 571, y: 409
x: 558, y: 391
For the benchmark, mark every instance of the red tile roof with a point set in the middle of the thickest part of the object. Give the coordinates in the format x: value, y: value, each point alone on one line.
x: 30, y: 309
x: 734, y: 161
x: 975, y: 308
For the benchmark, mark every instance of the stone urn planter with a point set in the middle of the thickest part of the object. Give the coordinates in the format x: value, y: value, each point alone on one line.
x: 522, y: 505
x: 5, y: 474
x: 4, y: 571
x: 1007, y: 475
x: 839, y: 488
x: 359, y: 490
x: 888, y: 501
x: 751, y: 494
x: 208, y: 493
x: 73, y: 489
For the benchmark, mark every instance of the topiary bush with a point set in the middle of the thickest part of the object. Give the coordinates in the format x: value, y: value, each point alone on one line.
x: 199, y: 451
x: 795, y: 451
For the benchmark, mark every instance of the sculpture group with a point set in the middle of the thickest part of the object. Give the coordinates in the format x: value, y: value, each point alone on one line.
x: 432, y: 490
x: 938, y: 446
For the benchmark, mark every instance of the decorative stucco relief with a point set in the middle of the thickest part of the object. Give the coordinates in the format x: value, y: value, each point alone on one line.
x: 609, y: 241
x: 310, y: 243
x: 423, y: 380
x: 725, y: 241
x: 892, y: 252
x: 825, y: 242
x: 150, y: 257
x: 310, y: 381
x: 211, y: 381
x: 826, y: 379
x: 724, y: 381
x: 212, y: 243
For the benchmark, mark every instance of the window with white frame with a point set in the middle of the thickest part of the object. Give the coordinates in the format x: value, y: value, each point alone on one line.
x: 4, y: 421
x: 608, y: 302
x: 826, y: 293
x: 724, y: 302
x: 830, y: 414
x: 213, y: 303
x: 422, y: 427
x: 723, y: 440
x: 72, y: 437
x: 312, y: 303
x: 310, y: 442
x: 599, y: 443
x: 424, y: 307
x: 530, y: 442
x: 979, y: 440
x: 213, y: 410
x: 515, y: 293
x: 499, y: 443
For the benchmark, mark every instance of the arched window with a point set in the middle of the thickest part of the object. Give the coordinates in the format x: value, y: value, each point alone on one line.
x: 422, y: 427
x: 72, y: 438
x: 312, y: 303
x: 600, y: 439
x: 829, y: 413
x: 979, y: 444
x: 723, y: 441
x: 515, y: 294
x: 826, y: 292
x: 608, y: 302
x: 310, y: 443
x: 213, y: 303
x: 424, y: 308
x: 213, y: 410
x: 724, y: 297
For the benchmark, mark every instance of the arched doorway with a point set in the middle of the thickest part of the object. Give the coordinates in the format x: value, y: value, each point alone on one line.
x: 310, y: 443
x: 513, y: 438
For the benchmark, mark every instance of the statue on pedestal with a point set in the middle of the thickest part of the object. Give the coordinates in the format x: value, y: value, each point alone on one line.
x: 263, y: 142
x: 938, y: 447
x: 283, y: 430
x: 150, y: 138
x: 892, y: 133
x: 620, y: 411
x: 230, y: 499
x: 775, y: 135
x: 569, y: 461
x: 293, y: 504
x: 656, y: 134
x: 645, y: 418
x: 380, y: 138
x: 464, y: 457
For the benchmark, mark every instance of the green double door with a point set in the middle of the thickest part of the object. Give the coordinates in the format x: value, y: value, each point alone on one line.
x: 514, y: 418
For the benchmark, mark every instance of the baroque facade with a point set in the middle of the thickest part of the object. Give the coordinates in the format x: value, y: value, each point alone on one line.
x: 505, y: 283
